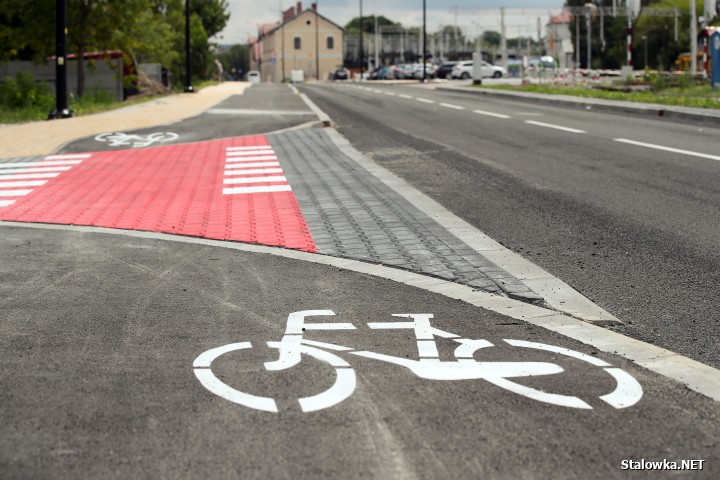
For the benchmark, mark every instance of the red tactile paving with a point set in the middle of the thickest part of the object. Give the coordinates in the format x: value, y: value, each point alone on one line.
x: 172, y: 189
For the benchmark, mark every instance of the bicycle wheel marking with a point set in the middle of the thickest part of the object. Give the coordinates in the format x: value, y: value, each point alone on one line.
x: 428, y: 366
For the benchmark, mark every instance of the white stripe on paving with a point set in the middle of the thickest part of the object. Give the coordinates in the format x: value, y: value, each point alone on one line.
x: 40, y: 164
x: 668, y: 149
x: 257, y: 147
x: 252, y: 171
x: 272, y: 179
x: 29, y: 183
x: 244, y: 153
x: 33, y: 170
x: 556, y: 127
x: 389, y: 94
x: 251, y: 165
x: 247, y: 111
x: 264, y: 189
x: 402, y: 95
x: 450, y: 105
x: 14, y: 193
x: 28, y: 176
x: 424, y: 100
x: 491, y: 114
x: 6, y: 203
x: 251, y: 159
x: 68, y: 156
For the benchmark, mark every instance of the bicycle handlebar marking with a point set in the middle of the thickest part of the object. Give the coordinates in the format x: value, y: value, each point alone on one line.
x: 293, y: 346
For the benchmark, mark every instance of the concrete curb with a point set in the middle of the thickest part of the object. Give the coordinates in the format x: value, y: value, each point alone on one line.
x: 697, y: 116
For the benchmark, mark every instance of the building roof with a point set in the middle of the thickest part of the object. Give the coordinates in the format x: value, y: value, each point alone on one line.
x: 288, y: 21
x: 564, y: 17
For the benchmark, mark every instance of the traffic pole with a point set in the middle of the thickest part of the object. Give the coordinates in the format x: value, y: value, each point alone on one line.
x: 61, y: 98
x: 629, y: 41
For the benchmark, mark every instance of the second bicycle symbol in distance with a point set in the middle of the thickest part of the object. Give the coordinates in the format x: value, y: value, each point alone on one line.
x: 293, y: 346
x: 120, y: 139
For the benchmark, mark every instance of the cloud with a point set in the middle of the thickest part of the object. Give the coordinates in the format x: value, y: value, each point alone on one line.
x: 521, y: 15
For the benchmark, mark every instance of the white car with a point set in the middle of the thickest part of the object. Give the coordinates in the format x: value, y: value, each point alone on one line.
x: 464, y: 70
x: 253, y: 76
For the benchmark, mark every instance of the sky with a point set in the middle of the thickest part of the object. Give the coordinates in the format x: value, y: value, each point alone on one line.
x: 472, y: 16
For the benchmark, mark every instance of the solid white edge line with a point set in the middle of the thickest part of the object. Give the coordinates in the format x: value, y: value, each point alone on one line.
x: 491, y: 114
x: 556, y: 127
x: 667, y: 149
x: 695, y: 375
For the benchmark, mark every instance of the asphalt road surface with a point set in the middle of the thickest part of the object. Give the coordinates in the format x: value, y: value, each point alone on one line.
x: 98, y: 378
x: 632, y: 227
x: 146, y: 355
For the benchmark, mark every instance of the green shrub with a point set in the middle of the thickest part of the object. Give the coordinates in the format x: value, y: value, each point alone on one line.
x: 23, y: 92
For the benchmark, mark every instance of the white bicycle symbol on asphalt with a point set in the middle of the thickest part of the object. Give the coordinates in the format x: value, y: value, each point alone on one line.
x: 292, y: 346
x: 119, y: 139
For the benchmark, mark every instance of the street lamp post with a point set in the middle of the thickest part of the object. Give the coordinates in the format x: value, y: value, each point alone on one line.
x: 317, y: 43
x: 61, y: 104
x: 362, y: 65
x: 424, y: 42
x: 188, y: 80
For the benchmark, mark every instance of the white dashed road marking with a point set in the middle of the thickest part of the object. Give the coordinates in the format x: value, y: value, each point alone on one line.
x: 668, y: 149
x: 424, y: 100
x: 449, y: 105
x: 491, y: 114
x: 556, y: 127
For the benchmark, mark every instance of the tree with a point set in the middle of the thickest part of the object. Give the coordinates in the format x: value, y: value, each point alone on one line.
x: 237, y: 57
x: 368, y: 24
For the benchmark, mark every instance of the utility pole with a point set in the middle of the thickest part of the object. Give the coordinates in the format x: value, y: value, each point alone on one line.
x: 377, y: 44
x: 503, y: 39
x: 424, y: 42
x: 588, y: 24
x: 282, y: 38
x: 693, y: 38
x: 362, y: 65
x: 317, y: 43
x: 61, y: 104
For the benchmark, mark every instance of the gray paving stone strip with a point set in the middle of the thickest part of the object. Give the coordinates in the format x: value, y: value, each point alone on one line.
x: 352, y: 214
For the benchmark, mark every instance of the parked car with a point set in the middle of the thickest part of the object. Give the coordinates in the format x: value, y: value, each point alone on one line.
x: 417, y: 70
x: 464, y: 70
x: 253, y: 76
x: 339, y: 73
x: 445, y: 69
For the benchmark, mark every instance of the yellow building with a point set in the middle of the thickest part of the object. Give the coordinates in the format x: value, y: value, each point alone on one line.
x: 305, y: 41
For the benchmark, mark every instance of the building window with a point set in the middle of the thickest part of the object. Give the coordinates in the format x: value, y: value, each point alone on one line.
x: 297, y: 43
x: 330, y: 43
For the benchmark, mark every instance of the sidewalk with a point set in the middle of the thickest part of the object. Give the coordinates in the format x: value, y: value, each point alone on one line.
x: 687, y: 114
x: 42, y: 138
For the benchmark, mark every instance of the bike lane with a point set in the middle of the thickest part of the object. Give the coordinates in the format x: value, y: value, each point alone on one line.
x: 102, y: 373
